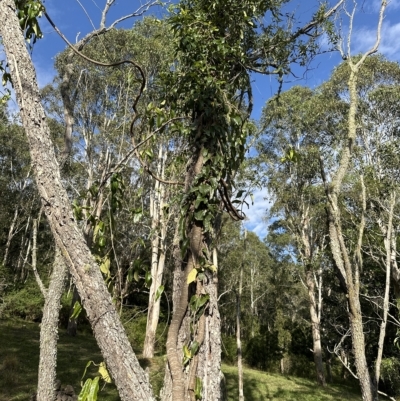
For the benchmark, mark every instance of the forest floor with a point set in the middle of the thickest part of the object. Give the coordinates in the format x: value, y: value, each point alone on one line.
x: 19, y: 357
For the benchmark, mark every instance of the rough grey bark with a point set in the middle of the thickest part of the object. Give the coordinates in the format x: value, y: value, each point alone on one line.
x: 49, y: 331
x: 43, y: 289
x: 129, y: 377
x: 206, y: 364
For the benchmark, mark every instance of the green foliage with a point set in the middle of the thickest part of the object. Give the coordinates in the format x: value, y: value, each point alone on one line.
x: 135, y: 326
x: 89, y: 390
x: 229, y: 349
x: 26, y: 302
x: 76, y: 311
x: 263, y: 351
x: 91, y: 386
x: 390, y: 368
x: 28, y: 13
x: 198, y: 389
x: 6, y: 78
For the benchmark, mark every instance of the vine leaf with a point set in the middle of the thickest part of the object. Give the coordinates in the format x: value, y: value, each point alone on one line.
x: 192, y: 276
x: 159, y: 291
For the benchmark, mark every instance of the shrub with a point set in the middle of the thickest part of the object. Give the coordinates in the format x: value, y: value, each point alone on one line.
x: 390, y: 368
x: 135, y: 327
x: 26, y: 303
x: 263, y: 352
x: 301, y: 366
x: 229, y: 349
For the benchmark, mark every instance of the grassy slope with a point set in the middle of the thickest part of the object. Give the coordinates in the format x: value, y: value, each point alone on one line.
x: 259, y: 386
x: 19, y: 355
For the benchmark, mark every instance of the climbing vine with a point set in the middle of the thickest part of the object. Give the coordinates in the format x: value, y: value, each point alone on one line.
x: 217, y: 44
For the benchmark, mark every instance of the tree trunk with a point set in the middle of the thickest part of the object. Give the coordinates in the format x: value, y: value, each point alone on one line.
x: 388, y: 232
x: 10, y: 236
x: 368, y: 390
x: 328, y: 364
x: 205, y: 366
x: 315, y: 328
x: 238, y: 336
x: 49, y: 331
x: 350, y: 270
x: 130, y: 379
x: 159, y: 232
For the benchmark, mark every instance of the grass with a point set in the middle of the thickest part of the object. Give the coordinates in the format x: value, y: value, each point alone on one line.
x: 260, y: 386
x: 19, y: 357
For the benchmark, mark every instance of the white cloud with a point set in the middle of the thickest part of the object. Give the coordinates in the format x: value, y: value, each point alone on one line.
x: 363, y: 39
x: 256, y: 214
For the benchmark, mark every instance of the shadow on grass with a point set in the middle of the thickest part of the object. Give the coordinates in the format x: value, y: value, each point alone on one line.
x: 19, y: 359
x: 260, y: 386
x: 19, y: 345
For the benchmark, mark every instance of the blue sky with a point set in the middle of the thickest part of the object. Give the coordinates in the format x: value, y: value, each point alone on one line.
x: 75, y: 18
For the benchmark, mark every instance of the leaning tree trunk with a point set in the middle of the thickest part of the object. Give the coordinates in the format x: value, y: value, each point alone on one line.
x: 131, y: 380
x: 10, y: 236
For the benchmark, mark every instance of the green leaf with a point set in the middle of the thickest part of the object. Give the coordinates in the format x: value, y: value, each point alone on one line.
x: 159, y: 291
x: 136, y: 276
x: 148, y: 279
x: 76, y: 310
x: 83, y: 395
x: 94, y: 389
x: 105, y: 267
x: 198, y: 388
x: 194, y: 347
x: 186, y: 352
x: 198, y: 301
x: 202, y: 299
x: 102, y: 242
x: 199, y: 215
x: 86, y: 367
